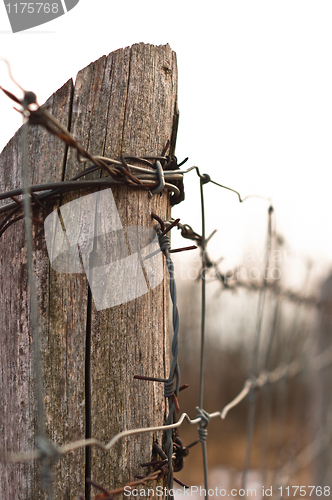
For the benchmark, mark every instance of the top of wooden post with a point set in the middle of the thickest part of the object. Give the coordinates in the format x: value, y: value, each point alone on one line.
x: 123, y: 103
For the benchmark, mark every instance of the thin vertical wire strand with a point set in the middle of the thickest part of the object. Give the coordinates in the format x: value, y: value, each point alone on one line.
x: 302, y: 335
x: 203, y: 313
x: 46, y: 475
x: 282, y: 396
x: 203, y: 299
x: 283, y: 389
x: 172, y: 384
x: 254, y: 361
x: 267, y: 397
x: 174, y: 370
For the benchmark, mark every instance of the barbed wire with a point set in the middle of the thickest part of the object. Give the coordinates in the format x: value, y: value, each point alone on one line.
x: 254, y: 357
x: 45, y: 459
x: 154, y: 174
x: 315, y: 363
x: 230, y: 281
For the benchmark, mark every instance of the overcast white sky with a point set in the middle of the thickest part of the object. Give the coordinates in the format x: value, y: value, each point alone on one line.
x: 255, y: 100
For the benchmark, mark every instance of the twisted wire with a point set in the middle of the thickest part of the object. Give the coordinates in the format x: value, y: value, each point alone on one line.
x: 254, y: 360
x: 154, y: 181
x: 202, y: 429
x: 46, y: 472
x: 173, y: 382
x: 314, y: 363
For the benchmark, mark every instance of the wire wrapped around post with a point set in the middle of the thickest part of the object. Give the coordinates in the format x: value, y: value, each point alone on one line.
x: 173, y: 383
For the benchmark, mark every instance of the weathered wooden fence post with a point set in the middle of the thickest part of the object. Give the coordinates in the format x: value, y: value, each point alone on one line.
x: 125, y: 103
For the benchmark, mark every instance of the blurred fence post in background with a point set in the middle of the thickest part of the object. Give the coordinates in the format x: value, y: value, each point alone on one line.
x: 122, y: 104
x: 323, y: 390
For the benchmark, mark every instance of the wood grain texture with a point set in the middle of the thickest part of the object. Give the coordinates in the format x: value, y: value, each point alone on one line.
x: 125, y: 103
x: 132, y: 338
x: 18, y: 406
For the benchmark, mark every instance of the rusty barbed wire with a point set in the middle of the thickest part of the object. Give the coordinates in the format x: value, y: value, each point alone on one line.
x: 160, y: 470
x: 45, y: 448
x: 111, y: 494
x: 163, y: 174
x: 172, y: 384
x: 315, y: 363
x: 230, y: 281
x: 154, y: 174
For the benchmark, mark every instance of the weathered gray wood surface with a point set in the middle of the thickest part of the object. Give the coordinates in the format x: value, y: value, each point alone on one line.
x: 125, y: 103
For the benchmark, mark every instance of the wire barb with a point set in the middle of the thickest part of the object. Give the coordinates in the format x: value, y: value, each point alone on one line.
x: 174, y: 373
x: 155, y: 174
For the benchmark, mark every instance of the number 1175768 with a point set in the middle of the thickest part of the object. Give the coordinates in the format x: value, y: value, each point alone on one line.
x: 32, y: 8
x: 303, y: 491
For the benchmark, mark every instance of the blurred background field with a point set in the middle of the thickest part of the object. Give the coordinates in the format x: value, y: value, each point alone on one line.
x: 292, y: 428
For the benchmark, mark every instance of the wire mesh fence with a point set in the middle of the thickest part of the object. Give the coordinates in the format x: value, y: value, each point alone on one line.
x: 286, y: 384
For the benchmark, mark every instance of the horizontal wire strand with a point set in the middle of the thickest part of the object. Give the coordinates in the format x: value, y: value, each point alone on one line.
x: 317, y: 362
